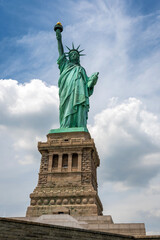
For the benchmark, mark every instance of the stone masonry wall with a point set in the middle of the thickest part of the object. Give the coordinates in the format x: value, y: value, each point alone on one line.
x: 11, y: 229
x: 86, y: 166
x: 43, y: 168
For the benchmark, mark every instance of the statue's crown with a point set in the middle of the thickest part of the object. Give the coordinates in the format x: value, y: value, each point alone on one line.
x: 75, y: 49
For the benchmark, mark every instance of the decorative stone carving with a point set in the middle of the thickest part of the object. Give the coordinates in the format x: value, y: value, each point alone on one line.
x: 91, y: 200
x: 86, y: 160
x: 72, y: 200
x: 86, y: 178
x: 46, y: 201
x: 39, y: 202
x: 42, y: 179
x: 44, y: 162
x: 78, y: 200
x: 33, y: 202
x: 59, y: 201
x: 52, y: 202
x: 85, y: 200
x: 65, y: 201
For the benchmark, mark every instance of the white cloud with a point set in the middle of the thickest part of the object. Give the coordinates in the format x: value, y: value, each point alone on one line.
x: 151, y: 159
x: 28, y: 112
x: 127, y: 137
x: 28, y: 159
x: 24, y: 103
x: 27, y: 98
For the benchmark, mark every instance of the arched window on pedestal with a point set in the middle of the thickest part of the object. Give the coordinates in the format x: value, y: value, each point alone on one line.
x: 55, y: 161
x: 65, y: 161
x: 74, y: 160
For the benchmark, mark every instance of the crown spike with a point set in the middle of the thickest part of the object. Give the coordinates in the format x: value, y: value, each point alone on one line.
x: 68, y: 48
x: 73, y: 45
x: 82, y: 54
x: 78, y: 47
x: 81, y: 51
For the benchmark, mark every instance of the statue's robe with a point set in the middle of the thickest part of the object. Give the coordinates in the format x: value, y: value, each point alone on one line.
x: 74, y: 92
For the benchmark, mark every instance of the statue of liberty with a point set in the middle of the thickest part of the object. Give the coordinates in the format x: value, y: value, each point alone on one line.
x: 75, y: 87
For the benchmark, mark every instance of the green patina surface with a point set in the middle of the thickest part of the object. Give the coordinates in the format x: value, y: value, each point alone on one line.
x: 75, y: 129
x: 75, y: 88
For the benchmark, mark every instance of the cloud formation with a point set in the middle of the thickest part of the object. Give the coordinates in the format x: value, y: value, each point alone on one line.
x: 21, y: 104
x: 128, y: 139
x: 28, y: 111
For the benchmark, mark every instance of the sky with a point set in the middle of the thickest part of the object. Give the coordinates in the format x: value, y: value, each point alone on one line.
x: 121, y: 39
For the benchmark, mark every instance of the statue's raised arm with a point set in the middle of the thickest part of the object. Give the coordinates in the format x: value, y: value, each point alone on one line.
x: 58, y: 29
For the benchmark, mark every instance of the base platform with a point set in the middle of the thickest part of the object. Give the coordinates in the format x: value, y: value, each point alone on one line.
x: 95, y: 223
x: 66, y: 130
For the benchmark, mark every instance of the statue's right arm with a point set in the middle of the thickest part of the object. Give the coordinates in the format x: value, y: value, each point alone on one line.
x: 93, y: 79
x: 59, y: 40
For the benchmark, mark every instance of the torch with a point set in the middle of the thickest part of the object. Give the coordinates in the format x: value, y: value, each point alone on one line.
x: 58, y: 26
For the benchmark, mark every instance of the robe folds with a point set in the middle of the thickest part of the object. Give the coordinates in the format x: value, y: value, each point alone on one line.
x: 74, y: 92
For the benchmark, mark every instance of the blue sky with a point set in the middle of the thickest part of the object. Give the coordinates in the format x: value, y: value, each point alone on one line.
x: 121, y: 39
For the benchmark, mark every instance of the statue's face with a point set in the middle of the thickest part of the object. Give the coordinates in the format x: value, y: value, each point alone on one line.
x: 74, y: 57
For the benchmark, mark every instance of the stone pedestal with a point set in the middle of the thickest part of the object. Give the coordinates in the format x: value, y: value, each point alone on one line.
x: 67, y: 178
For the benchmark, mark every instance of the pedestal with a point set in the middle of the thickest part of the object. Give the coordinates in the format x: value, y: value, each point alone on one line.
x: 67, y: 177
